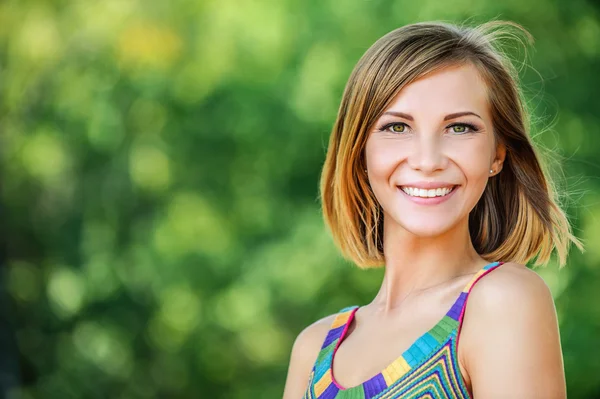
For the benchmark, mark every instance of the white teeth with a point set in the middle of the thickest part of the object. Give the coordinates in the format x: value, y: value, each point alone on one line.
x: 419, y: 192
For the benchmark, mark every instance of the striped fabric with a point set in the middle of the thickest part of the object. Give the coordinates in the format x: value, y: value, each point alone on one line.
x: 427, y: 369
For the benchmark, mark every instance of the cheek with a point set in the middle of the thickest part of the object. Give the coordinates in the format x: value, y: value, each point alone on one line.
x: 474, y: 162
x: 382, y: 159
x: 474, y: 157
x: 383, y: 156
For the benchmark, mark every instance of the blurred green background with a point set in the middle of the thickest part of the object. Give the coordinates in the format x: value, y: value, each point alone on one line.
x: 161, y: 228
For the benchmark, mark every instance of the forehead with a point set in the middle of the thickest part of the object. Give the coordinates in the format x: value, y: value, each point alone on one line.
x: 451, y: 89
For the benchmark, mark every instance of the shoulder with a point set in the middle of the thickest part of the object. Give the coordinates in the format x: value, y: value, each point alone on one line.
x: 304, y: 353
x: 510, y: 339
x: 509, y: 285
x: 309, y: 340
x: 510, y: 298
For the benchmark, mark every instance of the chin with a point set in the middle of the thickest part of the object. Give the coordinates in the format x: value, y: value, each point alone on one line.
x: 427, y: 232
x: 426, y: 228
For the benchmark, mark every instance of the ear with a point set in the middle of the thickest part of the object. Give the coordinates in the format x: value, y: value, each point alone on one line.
x: 499, y: 158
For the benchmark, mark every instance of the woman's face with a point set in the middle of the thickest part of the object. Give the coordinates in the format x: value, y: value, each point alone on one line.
x: 429, y: 155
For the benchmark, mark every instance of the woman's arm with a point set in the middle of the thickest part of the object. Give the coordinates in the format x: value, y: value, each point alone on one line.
x: 510, y: 342
x: 304, y: 355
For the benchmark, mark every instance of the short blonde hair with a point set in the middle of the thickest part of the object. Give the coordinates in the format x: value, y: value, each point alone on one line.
x: 517, y: 216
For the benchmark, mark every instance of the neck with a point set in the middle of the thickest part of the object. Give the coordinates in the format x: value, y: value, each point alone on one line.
x: 414, y: 264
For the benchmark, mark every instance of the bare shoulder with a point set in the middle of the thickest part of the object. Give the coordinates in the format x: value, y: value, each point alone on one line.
x: 511, y: 284
x: 309, y: 341
x: 303, y: 356
x: 510, y: 338
x: 509, y: 298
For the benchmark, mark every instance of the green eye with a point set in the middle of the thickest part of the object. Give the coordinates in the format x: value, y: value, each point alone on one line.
x: 459, y: 128
x: 397, y: 128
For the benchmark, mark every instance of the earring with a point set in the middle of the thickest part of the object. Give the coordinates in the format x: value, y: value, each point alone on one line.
x: 491, y: 170
x: 365, y: 171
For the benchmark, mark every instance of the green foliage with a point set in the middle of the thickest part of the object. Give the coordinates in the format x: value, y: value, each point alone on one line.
x: 160, y: 163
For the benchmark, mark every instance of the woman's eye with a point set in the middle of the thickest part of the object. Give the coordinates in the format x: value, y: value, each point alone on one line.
x: 396, y: 127
x: 462, y: 128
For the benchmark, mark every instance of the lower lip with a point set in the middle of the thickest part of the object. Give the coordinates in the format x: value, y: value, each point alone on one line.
x: 429, y: 201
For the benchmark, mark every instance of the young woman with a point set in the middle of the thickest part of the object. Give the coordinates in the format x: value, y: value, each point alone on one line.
x: 431, y: 172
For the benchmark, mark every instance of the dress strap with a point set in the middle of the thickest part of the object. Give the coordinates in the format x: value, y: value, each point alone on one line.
x: 458, y: 309
x: 339, y: 325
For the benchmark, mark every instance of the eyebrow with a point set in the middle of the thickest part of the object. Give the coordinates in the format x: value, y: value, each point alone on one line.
x: 446, y: 118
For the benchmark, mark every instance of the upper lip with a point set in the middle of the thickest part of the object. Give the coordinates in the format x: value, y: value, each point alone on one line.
x: 428, y: 185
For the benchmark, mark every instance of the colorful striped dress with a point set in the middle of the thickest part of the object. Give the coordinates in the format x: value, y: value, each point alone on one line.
x: 427, y: 369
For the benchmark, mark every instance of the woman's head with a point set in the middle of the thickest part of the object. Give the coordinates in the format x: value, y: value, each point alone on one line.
x: 402, y: 123
x: 430, y: 153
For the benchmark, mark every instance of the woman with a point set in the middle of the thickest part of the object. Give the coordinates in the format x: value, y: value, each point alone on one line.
x: 431, y: 172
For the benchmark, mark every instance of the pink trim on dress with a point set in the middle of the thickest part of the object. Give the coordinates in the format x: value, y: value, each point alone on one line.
x: 350, y: 318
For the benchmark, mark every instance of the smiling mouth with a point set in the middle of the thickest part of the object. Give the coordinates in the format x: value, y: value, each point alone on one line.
x: 427, y: 193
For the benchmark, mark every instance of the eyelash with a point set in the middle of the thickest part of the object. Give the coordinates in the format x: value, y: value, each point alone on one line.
x: 472, y: 128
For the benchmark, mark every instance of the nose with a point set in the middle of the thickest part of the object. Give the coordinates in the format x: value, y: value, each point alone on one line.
x: 427, y: 155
